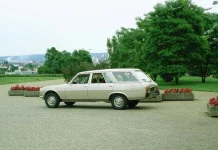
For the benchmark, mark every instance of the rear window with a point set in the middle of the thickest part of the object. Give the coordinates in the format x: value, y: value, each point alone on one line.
x: 124, y: 77
x: 142, y: 76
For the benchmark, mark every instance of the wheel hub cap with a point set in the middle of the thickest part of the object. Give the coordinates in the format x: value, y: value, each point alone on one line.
x: 51, y: 100
x: 118, y: 101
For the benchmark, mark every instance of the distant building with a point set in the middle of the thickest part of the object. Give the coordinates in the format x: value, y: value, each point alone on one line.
x: 3, y: 61
x: 22, y: 61
x: 3, y: 67
x: 95, y: 60
x: 28, y: 72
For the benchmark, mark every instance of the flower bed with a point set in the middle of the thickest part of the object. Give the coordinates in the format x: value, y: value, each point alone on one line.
x: 31, y: 91
x: 183, y: 94
x: 212, y: 107
x: 24, y: 91
x: 16, y: 90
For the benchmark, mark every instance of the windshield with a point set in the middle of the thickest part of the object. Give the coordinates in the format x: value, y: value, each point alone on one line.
x: 142, y: 76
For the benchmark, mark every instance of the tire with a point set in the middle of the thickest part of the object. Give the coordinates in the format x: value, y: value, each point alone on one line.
x: 132, y: 104
x: 52, y: 100
x: 69, y: 103
x: 119, y: 102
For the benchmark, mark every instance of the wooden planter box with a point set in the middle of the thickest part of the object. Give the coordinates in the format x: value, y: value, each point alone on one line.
x: 178, y: 97
x: 16, y: 92
x: 31, y: 93
x: 212, y: 110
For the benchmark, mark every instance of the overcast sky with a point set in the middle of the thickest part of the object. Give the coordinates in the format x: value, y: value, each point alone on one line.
x: 32, y: 26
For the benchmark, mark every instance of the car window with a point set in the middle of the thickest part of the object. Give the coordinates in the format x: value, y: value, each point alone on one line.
x: 81, y: 79
x: 98, y: 78
x: 142, y: 76
x: 124, y: 77
x: 107, y: 78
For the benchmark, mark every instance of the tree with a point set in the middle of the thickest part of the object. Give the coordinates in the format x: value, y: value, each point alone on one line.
x: 206, y: 66
x: 102, y: 65
x: 81, y: 60
x: 174, y: 37
x: 213, y: 54
x: 53, y: 60
x: 81, y: 56
x: 70, y: 71
x: 45, y: 70
x: 57, y: 62
x: 125, y: 48
x: 215, y: 2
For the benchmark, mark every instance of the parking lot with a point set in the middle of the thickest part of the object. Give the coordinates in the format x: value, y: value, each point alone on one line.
x: 26, y: 123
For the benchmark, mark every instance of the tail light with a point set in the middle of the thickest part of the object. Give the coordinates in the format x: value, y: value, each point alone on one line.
x: 147, y: 88
x: 157, y: 89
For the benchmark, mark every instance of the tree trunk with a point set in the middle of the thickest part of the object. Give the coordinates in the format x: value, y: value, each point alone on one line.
x: 177, y: 79
x: 203, y: 79
x: 203, y: 73
x: 154, y: 77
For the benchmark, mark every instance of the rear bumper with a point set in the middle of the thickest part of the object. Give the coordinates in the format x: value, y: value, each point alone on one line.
x: 152, y: 97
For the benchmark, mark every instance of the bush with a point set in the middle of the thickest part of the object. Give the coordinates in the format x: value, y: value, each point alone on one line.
x: 70, y: 71
x: 31, y: 75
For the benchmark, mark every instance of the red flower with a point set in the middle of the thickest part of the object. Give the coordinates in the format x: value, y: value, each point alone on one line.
x: 176, y: 90
x: 213, y: 101
x: 165, y: 91
x: 17, y: 87
x: 28, y: 88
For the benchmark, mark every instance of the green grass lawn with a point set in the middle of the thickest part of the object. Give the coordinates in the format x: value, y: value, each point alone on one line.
x: 10, y: 80
x: 195, y: 83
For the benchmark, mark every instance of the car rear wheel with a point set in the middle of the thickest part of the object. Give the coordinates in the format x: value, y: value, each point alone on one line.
x: 119, y: 102
x: 69, y: 103
x: 52, y: 100
x: 132, y: 104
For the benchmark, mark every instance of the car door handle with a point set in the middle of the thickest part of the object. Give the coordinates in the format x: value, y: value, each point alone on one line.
x: 110, y: 86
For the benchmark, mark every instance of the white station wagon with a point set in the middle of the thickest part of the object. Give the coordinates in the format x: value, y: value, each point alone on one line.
x: 120, y: 87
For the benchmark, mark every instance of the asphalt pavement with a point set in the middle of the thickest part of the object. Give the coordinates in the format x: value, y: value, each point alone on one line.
x: 27, y: 124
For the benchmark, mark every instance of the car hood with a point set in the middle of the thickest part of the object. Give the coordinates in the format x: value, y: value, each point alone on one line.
x: 54, y: 87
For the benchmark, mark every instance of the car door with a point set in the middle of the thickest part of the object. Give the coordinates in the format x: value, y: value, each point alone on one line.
x: 78, y: 88
x: 128, y: 84
x: 100, y: 87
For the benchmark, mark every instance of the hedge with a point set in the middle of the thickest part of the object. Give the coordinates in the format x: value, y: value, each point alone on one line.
x: 31, y: 75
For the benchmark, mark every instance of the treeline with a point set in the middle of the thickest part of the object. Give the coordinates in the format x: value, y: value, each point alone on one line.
x: 178, y: 37
x: 68, y: 64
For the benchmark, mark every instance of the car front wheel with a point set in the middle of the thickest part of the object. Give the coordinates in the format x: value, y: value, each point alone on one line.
x: 52, y: 100
x: 119, y: 102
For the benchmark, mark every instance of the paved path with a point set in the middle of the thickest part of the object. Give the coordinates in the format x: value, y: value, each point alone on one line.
x: 27, y: 124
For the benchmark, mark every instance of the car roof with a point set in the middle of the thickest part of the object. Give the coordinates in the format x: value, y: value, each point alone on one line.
x: 111, y: 70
